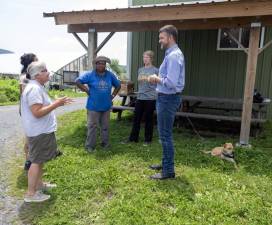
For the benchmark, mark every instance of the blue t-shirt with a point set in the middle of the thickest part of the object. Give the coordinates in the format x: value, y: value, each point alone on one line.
x: 100, y: 86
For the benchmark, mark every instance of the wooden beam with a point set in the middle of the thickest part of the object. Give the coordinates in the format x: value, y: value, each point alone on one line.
x: 237, y: 42
x: 104, y: 42
x: 180, y: 24
x: 249, y: 83
x: 92, y: 45
x: 80, y: 41
x: 212, y: 10
x: 266, y: 46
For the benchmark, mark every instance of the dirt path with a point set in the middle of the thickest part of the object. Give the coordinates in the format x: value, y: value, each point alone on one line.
x: 11, y: 134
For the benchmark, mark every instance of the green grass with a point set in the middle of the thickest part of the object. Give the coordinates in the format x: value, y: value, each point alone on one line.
x: 9, y: 103
x: 67, y: 92
x: 113, y: 187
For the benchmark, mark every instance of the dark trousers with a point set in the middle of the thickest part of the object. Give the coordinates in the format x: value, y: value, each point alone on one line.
x: 143, y: 107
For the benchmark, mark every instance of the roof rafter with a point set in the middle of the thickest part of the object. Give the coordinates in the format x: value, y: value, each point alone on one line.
x: 210, y: 15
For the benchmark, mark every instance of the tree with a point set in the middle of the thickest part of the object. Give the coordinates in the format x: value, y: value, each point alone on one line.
x: 118, y: 69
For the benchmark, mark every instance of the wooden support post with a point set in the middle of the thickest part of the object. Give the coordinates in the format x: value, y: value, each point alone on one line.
x: 104, y: 42
x: 92, y: 45
x: 80, y: 41
x: 250, y: 82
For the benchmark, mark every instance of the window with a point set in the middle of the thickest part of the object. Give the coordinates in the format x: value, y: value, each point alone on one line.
x: 225, y: 42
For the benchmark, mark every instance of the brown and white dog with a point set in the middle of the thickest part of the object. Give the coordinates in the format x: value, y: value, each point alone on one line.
x: 225, y: 152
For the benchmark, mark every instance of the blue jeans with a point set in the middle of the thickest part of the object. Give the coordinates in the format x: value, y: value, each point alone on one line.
x: 166, y: 107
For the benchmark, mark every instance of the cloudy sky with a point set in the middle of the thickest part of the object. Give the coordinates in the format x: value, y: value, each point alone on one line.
x: 23, y: 29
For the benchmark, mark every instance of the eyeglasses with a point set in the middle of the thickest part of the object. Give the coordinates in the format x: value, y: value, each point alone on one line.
x: 44, y: 71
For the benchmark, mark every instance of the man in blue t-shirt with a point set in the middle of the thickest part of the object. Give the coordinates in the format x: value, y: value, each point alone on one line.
x: 99, y: 86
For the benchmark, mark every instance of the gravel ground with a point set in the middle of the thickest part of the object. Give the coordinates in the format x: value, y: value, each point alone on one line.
x: 11, y: 139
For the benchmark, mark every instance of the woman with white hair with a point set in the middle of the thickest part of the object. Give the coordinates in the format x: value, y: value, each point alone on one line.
x: 39, y: 123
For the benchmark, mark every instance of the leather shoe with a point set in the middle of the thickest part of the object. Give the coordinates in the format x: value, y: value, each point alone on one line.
x: 160, y: 176
x: 155, y: 167
x: 128, y: 141
x: 90, y: 150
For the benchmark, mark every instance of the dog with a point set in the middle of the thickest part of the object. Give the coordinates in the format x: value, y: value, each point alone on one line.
x: 225, y: 152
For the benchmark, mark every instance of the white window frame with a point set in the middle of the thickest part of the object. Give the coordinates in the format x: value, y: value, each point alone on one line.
x: 240, y: 36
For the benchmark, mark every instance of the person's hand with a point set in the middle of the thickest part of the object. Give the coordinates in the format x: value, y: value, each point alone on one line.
x: 142, y: 78
x: 154, y: 79
x: 63, y: 101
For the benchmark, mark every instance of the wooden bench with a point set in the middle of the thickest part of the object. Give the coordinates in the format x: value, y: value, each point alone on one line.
x: 222, y: 106
x: 195, y: 103
x: 120, y: 108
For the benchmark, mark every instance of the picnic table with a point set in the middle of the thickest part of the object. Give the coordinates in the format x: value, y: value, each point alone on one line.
x: 214, y: 108
x: 129, y: 106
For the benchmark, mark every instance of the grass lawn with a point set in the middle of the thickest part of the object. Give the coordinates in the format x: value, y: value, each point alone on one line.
x: 53, y: 94
x: 112, y: 187
x: 67, y: 92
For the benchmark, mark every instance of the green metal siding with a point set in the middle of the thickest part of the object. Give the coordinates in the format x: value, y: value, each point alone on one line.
x: 209, y: 72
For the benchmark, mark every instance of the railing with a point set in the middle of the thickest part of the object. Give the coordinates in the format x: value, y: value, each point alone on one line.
x: 79, y: 64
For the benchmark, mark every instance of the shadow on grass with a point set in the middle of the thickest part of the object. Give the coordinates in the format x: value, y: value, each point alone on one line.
x: 22, y: 180
x: 30, y: 212
x: 179, y: 186
x: 255, y: 161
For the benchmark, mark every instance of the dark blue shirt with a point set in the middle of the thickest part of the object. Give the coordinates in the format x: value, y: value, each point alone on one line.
x: 100, y: 87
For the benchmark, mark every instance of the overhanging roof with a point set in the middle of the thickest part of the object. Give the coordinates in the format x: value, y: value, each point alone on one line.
x: 208, y: 15
x: 4, y: 51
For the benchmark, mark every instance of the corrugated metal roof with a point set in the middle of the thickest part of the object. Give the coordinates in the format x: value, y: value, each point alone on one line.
x: 4, y: 51
x: 189, y: 2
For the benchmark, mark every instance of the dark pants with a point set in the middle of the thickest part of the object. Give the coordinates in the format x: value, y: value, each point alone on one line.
x: 167, y: 106
x: 143, y: 107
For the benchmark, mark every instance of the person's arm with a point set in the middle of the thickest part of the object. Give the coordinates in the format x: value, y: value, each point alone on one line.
x: 81, y: 81
x: 117, y: 85
x: 39, y: 110
x: 115, y: 92
x: 154, y: 79
x: 21, y: 89
x: 174, y: 69
x: 82, y: 87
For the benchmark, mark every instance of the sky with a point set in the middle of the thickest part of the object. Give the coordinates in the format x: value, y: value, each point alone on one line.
x: 23, y: 29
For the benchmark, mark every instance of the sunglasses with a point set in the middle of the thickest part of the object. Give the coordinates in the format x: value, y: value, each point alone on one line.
x: 101, y: 63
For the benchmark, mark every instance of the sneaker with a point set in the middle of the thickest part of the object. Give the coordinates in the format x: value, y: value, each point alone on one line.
x: 46, y: 186
x: 37, y: 197
x: 128, y: 141
x: 27, y: 165
x: 105, y: 146
x: 146, y: 143
x: 59, y: 153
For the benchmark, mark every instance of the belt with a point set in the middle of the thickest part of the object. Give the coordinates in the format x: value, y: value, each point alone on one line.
x: 177, y: 93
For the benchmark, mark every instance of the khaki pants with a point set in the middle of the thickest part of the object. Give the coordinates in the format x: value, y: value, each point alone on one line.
x: 94, y: 121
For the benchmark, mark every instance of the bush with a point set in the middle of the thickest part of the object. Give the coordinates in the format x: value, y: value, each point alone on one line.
x: 3, y: 98
x: 9, y: 91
